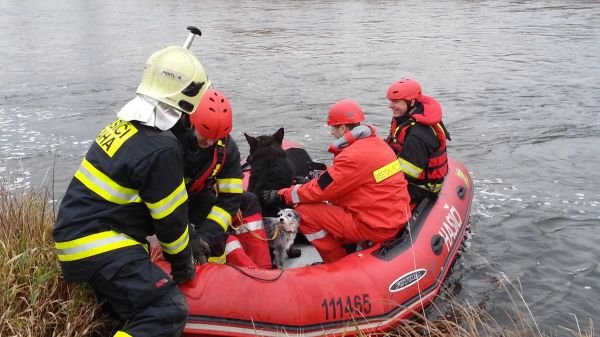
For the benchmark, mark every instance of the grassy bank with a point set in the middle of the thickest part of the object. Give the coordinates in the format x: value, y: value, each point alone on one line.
x: 35, y: 301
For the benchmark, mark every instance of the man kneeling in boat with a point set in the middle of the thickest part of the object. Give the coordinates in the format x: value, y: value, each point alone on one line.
x: 212, y: 172
x: 361, y: 196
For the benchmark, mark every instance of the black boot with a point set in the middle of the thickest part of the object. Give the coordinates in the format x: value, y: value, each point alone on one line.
x: 293, y: 252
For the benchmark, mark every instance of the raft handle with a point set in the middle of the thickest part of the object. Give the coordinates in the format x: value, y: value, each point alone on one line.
x: 437, y: 244
x: 461, y: 191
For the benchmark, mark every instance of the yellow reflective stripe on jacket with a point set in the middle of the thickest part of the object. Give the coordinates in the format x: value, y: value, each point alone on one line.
x: 122, y: 334
x: 220, y: 216
x: 386, y: 171
x: 91, y: 245
x: 220, y: 158
x: 409, y: 168
x: 431, y: 187
x: 230, y: 185
x: 104, y: 186
x: 222, y: 259
x: 435, y: 188
x: 166, y: 206
x: 178, y: 245
x: 441, y: 128
x: 215, y: 171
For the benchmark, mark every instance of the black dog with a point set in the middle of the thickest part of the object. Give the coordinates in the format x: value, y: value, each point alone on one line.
x: 273, y: 168
x: 270, y: 168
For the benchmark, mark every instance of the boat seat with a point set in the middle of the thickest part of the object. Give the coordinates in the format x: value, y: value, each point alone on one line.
x: 391, y: 248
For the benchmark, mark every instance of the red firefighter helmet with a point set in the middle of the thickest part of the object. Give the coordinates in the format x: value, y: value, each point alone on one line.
x: 213, y: 117
x: 345, y: 112
x: 405, y: 89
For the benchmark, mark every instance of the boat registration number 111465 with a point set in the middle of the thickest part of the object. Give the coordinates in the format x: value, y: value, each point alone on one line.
x: 346, y: 307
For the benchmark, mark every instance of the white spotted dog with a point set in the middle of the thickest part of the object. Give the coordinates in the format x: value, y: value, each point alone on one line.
x: 281, y: 232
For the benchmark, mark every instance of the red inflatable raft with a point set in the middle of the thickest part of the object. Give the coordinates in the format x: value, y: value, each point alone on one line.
x: 369, y: 290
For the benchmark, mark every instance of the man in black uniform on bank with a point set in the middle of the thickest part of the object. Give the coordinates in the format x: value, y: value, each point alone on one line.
x: 129, y: 186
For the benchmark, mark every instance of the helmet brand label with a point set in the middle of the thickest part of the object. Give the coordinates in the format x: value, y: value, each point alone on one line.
x: 407, y: 280
x: 171, y: 75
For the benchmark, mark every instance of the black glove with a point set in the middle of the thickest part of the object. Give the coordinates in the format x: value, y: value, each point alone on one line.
x: 200, y: 249
x: 313, y: 165
x: 270, y: 197
x: 316, y: 169
x: 183, y: 272
x: 212, y: 234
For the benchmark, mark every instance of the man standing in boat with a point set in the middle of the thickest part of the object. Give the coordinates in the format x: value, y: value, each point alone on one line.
x: 130, y: 186
x: 361, y: 196
x: 213, y: 176
x: 418, y: 137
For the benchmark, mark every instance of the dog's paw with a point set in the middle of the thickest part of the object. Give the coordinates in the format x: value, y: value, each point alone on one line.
x: 293, y: 252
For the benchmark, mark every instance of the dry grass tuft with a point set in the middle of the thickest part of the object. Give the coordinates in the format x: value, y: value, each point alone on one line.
x: 471, y: 320
x: 464, y: 321
x: 34, y: 300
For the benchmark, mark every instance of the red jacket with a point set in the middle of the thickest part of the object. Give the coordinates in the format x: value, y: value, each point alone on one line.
x: 351, y: 183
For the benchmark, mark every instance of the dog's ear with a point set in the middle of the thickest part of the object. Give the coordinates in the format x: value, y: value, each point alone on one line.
x: 295, y: 214
x: 278, y: 136
x: 251, y: 140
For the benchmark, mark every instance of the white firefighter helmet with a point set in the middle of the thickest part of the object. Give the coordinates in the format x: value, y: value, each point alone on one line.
x: 174, y: 76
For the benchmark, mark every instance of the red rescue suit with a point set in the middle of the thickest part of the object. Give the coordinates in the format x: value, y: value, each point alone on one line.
x: 365, y: 193
x: 252, y: 248
x: 419, y: 140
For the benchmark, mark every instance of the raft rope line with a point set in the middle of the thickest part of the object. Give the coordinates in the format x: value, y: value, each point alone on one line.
x: 254, y: 277
x: 410, y: 222
x: 240, y: 218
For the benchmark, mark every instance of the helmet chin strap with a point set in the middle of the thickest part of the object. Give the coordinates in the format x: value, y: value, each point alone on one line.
x: 412, y: 108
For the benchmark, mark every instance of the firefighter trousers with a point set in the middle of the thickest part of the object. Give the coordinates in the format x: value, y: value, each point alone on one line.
x: 142, y: 295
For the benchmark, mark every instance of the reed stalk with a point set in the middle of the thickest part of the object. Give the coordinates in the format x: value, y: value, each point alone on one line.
x: 34, y: 299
